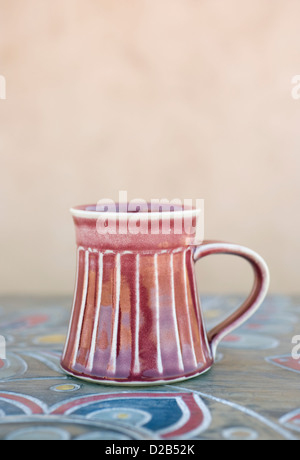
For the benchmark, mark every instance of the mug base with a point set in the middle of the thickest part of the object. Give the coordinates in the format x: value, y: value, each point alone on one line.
x: 144, y: 383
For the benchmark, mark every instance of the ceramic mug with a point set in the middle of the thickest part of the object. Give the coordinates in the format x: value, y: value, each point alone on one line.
x: 136, y: 316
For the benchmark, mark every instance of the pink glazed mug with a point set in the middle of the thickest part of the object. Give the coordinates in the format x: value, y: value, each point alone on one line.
x: 136, y: 316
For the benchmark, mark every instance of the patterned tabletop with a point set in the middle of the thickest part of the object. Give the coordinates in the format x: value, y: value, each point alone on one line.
x: 251, y: 393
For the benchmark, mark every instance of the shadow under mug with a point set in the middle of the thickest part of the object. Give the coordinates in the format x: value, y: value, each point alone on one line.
x: 136, y: 316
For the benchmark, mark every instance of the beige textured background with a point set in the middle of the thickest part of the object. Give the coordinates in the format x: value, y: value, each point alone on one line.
x: 162, y: 98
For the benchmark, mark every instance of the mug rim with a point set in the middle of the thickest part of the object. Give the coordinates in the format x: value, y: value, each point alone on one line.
x: 91, y: 212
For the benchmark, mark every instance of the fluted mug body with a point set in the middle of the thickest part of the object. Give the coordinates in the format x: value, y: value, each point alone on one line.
x: 136, y: 317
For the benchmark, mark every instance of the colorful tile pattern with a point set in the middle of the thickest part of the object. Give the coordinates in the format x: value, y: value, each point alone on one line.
x: 251, y: 393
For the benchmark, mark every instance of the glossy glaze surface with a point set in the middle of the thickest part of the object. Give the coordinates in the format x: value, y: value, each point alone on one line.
x: 136, y: 317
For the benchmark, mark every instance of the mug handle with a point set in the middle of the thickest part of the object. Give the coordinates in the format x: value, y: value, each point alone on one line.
x: 256, y: 297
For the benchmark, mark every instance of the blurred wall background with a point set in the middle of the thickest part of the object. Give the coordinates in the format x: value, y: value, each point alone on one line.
x: 161, y: 98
